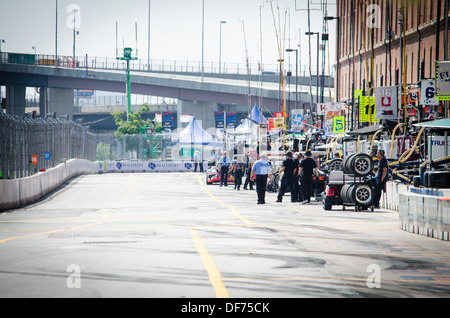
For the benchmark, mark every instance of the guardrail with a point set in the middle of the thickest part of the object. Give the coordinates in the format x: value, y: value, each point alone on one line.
x: 172, y: 66
x: 30, y: 145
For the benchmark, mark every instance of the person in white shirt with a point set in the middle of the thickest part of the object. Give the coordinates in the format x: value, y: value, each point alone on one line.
x: 198, y: 161
x: 262, y: 170
x: 224, y: 164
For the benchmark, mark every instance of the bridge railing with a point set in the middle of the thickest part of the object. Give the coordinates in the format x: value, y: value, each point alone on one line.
x: 170, y: 66
x: 29, y: 145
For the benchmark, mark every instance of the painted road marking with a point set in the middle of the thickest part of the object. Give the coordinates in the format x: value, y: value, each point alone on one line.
x: 214, y: 275
x: 232, y: 208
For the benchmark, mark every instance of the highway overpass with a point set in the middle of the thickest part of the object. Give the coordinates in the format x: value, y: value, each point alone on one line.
x: 198, y: 95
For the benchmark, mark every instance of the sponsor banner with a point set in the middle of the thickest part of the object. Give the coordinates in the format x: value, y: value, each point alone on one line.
x: 231, y: 120
x: 220, y: 119
x: 297, y: 119
x: 146, y: 166
x: 167, y: 121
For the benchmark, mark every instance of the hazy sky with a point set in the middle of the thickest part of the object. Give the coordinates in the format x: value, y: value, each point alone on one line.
x: 176, y: 28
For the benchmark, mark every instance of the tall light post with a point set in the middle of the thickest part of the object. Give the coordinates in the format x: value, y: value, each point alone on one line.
x: 296, y: 74
x: 317, y: 79
x: 127, y: 56
x: 203, y: 36
x: 75, y: 33
x: 220, y: 46
x: 338, y: 34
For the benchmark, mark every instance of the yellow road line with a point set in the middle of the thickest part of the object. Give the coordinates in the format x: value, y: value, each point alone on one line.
x: 213, y: 272
x: 232, y: 208
x: 50, y: 232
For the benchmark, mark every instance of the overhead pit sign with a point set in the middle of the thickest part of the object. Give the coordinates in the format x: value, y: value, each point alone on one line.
x: 442, y: 80
x: 386, y: 102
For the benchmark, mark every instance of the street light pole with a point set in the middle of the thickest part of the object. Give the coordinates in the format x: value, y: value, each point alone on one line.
x: 317, y: 80
x: 220, y: 46
x: 203, y: 36
x: 337, y: 54
x: 296, y: 74
x: 74, y: 34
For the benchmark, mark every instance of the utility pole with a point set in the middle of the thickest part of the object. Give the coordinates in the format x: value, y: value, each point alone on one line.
x: 127, y: 56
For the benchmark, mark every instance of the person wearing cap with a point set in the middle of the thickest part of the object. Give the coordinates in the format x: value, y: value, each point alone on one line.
x: 198, y: 161
x: 381, y: 177
x: 306, y: 170
x: 288, y: 169
x: 296, y: 158
x: 262, y: 170
x: 224, y: 163
x: 238, y: 170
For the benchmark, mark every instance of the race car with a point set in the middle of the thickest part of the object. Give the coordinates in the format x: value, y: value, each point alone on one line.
x: 213, y: 176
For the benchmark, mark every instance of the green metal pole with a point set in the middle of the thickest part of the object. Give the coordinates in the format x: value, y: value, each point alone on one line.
x: 128, y: 89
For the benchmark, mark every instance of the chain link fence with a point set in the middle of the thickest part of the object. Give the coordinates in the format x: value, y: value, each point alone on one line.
x: 30, y: 145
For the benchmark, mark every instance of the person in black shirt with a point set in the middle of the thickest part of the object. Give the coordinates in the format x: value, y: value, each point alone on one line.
x: 306, y: 170
x: 380, y: 179
x: 288, y: 168
x: 296, y: 158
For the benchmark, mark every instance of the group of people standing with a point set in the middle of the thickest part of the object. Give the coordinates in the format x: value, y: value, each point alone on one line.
x: 239, y: 169
x: 297, y: 174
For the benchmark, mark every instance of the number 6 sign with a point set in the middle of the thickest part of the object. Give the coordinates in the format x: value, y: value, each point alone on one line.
x: 427, y: 91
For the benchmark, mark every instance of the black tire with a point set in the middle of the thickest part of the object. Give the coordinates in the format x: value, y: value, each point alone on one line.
x: 362, y: 165
x: 358, y: 164
x: 416, y: 181
x: 346, y: 164
x: 357, y: 193
x: 425, y: 179
x: 335, y: 164
x: 344, y: 191
x: 363, y: 194
x: 439, y: 179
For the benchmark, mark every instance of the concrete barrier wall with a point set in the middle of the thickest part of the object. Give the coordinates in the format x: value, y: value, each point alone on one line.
x: 18, y: 192
x: 421, y: 211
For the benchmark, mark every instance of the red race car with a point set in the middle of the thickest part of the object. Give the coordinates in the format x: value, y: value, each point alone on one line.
x: 213, y: 176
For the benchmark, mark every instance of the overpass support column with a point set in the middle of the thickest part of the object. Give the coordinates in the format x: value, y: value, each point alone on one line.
x: 202, y: 111
x: 59, y: 101
x: 15, y: 99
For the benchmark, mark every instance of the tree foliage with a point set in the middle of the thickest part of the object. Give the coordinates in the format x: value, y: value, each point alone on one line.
x: 135, y: 124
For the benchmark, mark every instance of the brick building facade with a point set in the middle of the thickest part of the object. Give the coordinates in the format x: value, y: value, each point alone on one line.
x: 369, y: 43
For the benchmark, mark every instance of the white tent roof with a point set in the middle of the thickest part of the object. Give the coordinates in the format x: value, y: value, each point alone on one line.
x: 195, y: 134
x: 252, y: 119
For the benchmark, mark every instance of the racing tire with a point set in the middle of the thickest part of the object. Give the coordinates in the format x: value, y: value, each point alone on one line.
x: 346, y: 168
x: 439, y: 179
x: 416, y: 181
x: 335, y: 164
x: 360, y: 165
x: 363, y: 194
x: 357, y: 193
x: 425, y: 179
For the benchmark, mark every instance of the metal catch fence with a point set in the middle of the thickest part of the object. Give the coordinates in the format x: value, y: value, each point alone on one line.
x: 30, y: 145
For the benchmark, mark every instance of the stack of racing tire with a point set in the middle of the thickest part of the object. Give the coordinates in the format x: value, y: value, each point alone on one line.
x: 358, y: 193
